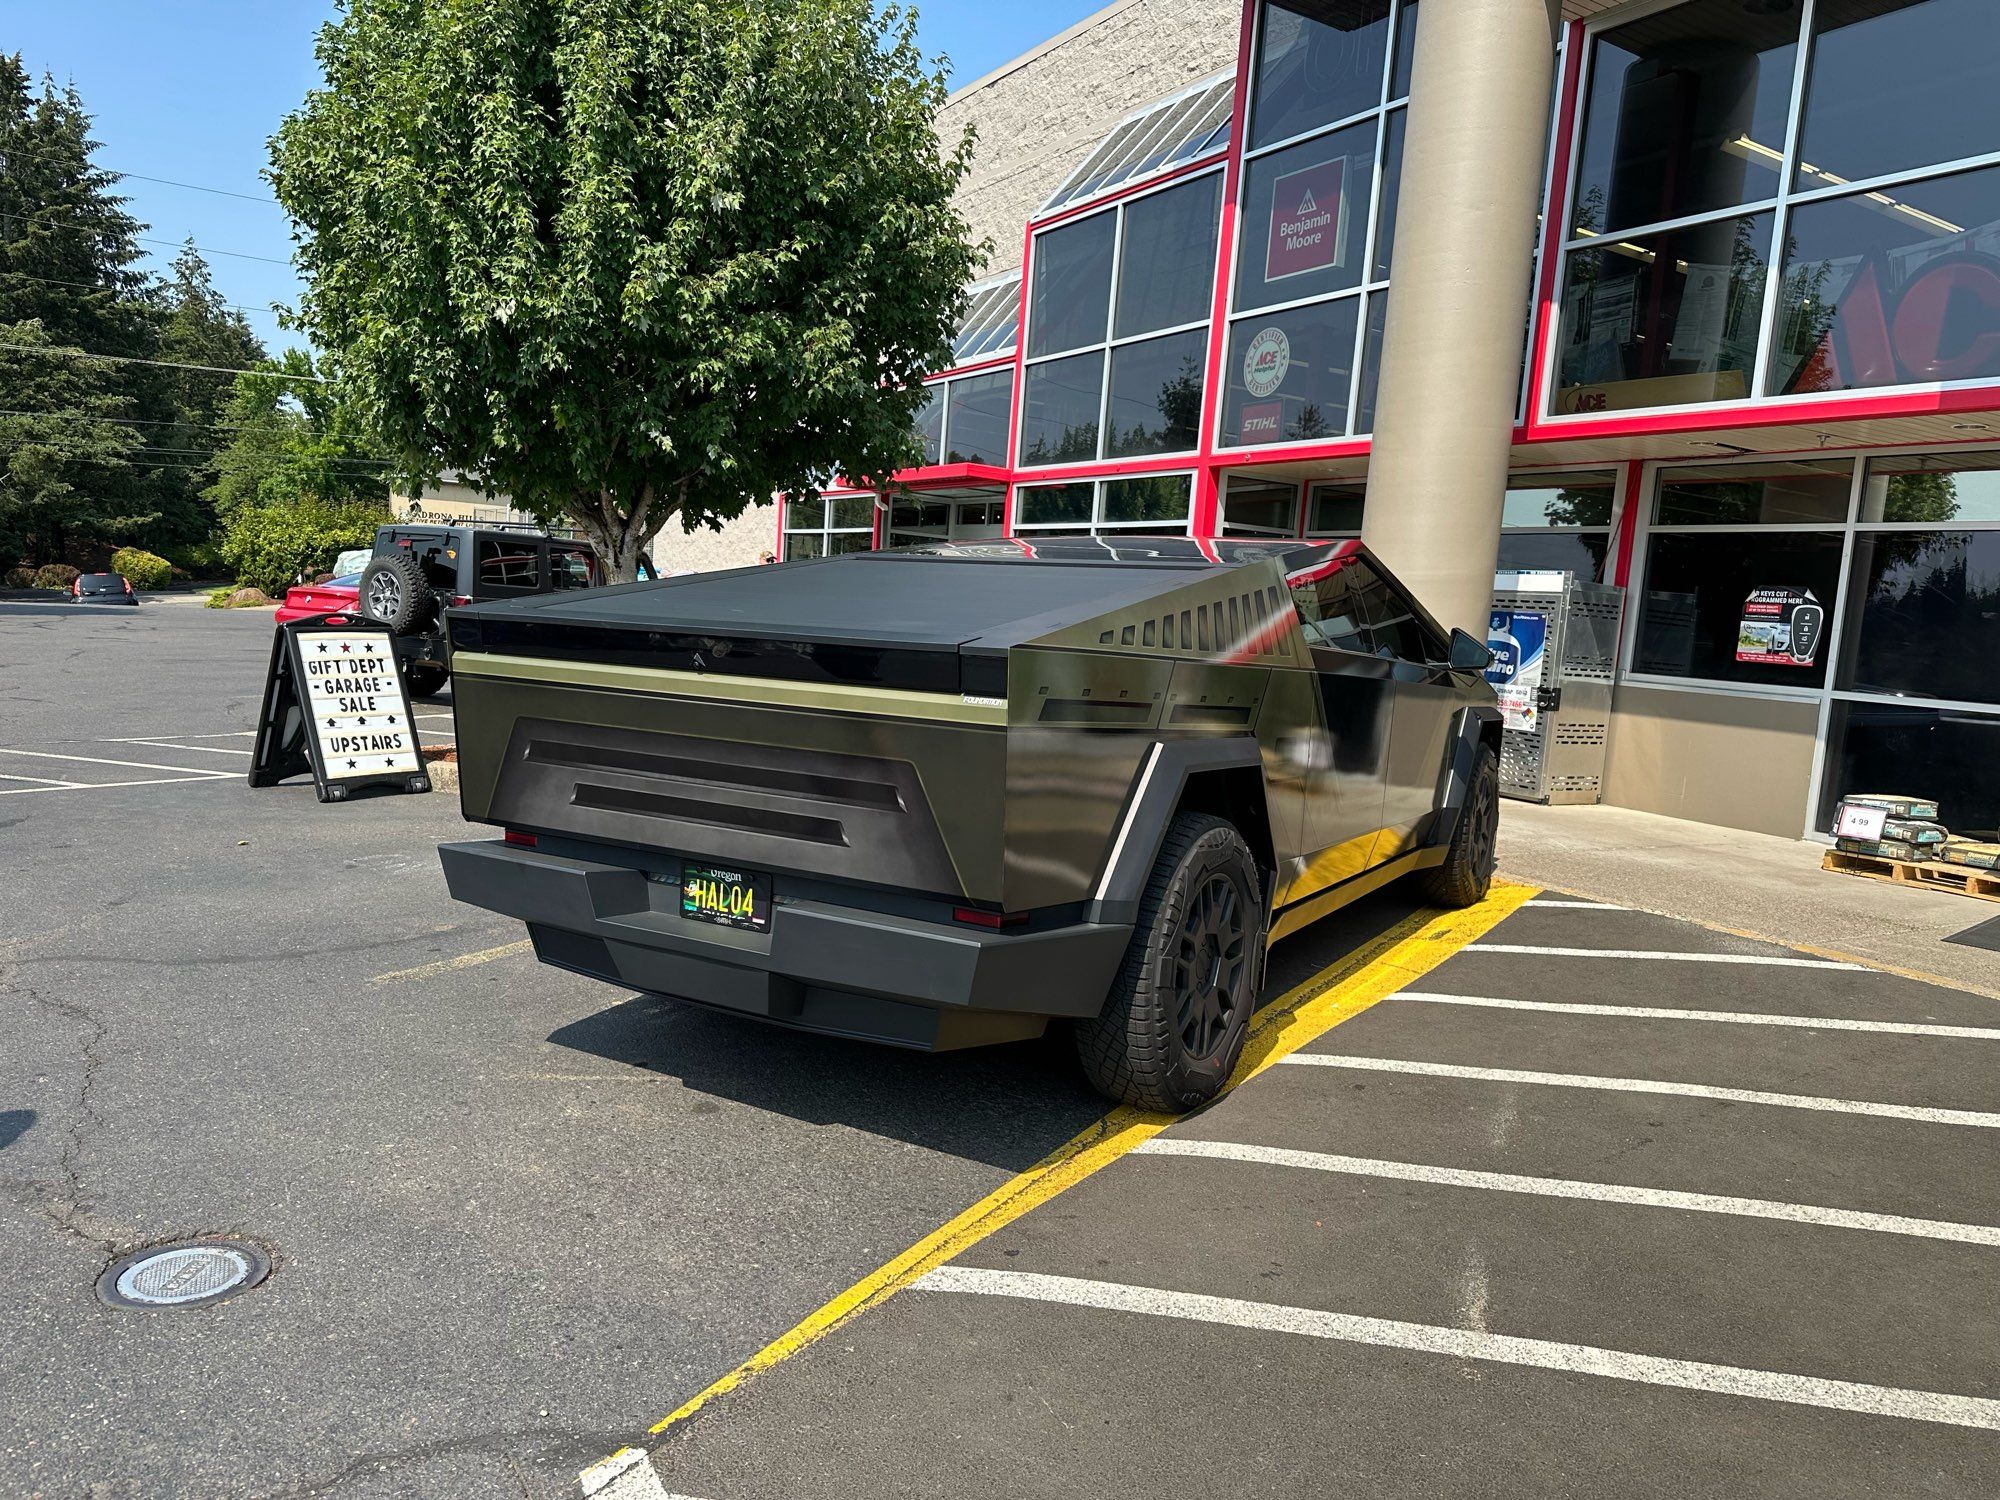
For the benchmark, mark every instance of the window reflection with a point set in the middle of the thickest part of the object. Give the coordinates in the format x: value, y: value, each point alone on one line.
x: 1255, y: 508
x: 1897, y: 84
x: 1289, y: 374
x: 1754, y: 495
x: 1892, y: 287
x: 1156, y: 387
x: 1686, y: 114
x: 1664, y: 320
x: 1692, y: 614
x: 1924, y: 615
x: 1072, y: 291
x: 1948, y: 752
x: 1925, y: 487
x: 1305, y: 215
x: 1167, y: 267
x: 1059, y: 409
x: 1317, y: 61
x: 980, y: 408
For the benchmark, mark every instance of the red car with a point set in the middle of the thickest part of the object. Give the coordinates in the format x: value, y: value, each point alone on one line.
x: 336, y: 595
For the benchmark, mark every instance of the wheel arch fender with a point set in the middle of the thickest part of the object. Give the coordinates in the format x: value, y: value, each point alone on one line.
x: 1224, y: 777
x: 1474, y: 727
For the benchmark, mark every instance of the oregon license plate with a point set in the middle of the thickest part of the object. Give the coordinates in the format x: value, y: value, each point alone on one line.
x: 729, y: 898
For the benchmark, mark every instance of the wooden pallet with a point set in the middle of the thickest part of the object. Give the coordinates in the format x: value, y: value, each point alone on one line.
x: 1983, y: 885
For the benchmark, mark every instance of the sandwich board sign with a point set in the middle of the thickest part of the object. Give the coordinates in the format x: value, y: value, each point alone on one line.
x: 335, y: 705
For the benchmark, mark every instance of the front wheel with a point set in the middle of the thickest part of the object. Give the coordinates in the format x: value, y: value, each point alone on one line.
x: 1174, y: 1022
x: 1467, y: 872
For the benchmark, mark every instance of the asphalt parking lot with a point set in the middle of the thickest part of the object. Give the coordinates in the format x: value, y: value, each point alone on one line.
x: 1603, y: 1202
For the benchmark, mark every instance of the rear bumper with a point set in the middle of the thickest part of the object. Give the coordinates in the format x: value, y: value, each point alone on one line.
x: 842, y: 970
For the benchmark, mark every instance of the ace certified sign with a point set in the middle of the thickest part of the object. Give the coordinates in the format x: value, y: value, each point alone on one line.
x: 1306, y: 225
x: 335, y: 705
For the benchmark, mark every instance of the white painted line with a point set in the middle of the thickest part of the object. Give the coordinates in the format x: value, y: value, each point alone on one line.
x: 1732, y: 1017
x: 48, y: 781
x: 98, y: 760
x: 1652, y: 1086
x: 140, y: 739
x: 627, y: 1474
x: 1697, y: 958
x: 106, y: 786
x: 1461, y: 1343
x: 173, y: 745
x: 1558, y: 1187
x: 1575, y: 905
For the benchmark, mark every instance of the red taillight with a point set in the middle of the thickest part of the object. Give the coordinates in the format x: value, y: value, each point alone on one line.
x: 461, y: 598
x: 994, y: 919
x: 515, y: 836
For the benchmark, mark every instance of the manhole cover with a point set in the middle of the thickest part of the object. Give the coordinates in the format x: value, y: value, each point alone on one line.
x: 189, y: 1275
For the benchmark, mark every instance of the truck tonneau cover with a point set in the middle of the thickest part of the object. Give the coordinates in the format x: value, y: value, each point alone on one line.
x: 899, y: 600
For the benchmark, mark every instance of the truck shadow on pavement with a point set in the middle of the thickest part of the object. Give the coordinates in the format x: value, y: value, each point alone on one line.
x: 1008, y: 1106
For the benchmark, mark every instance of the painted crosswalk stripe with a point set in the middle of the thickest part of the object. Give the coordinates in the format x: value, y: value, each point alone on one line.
x: 1463, y: 1343
x: 1730, y: 1017
x: 1560, y: 1187
x: 1698, y: 958
x: 1918, y: 1112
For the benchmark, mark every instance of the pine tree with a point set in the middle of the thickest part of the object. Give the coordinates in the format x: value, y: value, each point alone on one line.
x: 198, y: 328
x: 63, y: 451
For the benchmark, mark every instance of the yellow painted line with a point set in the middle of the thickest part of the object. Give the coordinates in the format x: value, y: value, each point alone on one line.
x: 449, y: 965
x: 1372, y: 972
x: 1922, y: 976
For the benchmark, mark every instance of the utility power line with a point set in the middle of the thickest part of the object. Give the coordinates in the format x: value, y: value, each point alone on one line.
x: 164, y: 364
x: 216, y: 426
x: 142, y: 239
x: 92, y: 286
x: 15, y: 153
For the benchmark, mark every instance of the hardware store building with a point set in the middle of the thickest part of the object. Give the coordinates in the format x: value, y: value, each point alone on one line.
x: 1761, y: 354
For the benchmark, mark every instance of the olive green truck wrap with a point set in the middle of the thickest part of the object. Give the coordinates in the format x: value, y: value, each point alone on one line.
x: 936, y: 797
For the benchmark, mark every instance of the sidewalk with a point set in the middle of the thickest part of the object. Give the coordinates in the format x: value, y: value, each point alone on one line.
x: 1749, y: 882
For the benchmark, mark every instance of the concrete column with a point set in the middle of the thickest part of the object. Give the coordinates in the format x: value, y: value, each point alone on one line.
x: 1458, y: 302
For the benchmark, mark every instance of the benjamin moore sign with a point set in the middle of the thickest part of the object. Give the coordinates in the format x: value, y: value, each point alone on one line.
x: 1305, y: 220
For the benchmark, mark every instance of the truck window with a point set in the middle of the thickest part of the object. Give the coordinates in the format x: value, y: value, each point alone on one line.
x: 1329, y: 607
x: 1393, y: 621
x: 573, y: 568
x: 508, y: 565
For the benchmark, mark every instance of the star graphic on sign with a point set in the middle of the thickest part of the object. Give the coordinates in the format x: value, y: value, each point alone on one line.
x: 347, y: 645
x: 322, y: 648
x: 352, y: 764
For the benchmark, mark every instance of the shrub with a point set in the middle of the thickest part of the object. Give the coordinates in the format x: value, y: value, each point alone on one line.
x: 234, y: 598
x: 20, y: 578
x: 197, y: 560
x: 269, y: 546
x: 55, y: 576
x: 147, y: 570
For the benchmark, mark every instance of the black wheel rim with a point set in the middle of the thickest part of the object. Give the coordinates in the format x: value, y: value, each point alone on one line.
x: 1484, y: 830
x: 1208, y: 966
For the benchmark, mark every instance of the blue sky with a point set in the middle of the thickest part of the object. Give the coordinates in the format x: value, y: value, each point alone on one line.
x: 189, y: 90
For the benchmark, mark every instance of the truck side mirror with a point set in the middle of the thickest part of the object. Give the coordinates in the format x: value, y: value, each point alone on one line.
x: 1469, y: 653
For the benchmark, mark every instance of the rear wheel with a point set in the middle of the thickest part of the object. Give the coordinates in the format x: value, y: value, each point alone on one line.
x: 1174, y: 1022
x: 422, y: 681
x: 1467, y: 872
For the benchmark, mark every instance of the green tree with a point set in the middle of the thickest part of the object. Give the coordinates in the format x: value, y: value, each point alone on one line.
x: 61, y: 447
x: 292, y: 437
x: 630, y: 261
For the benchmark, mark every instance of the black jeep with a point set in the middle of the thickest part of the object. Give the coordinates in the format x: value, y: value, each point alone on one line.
x: 421, y: 569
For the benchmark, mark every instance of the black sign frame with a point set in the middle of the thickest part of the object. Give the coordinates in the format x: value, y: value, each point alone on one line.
x: 288, y: 745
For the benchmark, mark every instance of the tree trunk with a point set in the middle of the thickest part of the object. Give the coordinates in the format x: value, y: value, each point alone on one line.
x: 618, y: 536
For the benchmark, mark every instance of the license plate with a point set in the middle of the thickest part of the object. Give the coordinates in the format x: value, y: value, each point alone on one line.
x: 729, y: 898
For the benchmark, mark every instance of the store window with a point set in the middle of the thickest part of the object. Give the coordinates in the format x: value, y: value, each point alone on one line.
x: 1737, y: 587
x: 1334, y: 510
x: 915, y: 518
x: 1558, y: 523
x: 1318, y: 214
x: 1138, y: 389
x: 1255, y: 507
x: 1317, y: 61
x: 1949, y: 752
x: 1696, y: 157
x: 829, y: 526
x: 1290, y: 375
x: 1153, y: 502
x: 1892, y: 287
x: 977, y: 411
x: 1664, y: 319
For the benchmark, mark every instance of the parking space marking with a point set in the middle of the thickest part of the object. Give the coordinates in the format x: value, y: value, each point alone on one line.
x: 1369, y: 974
x: 1559, y: 1187
x: 1918, y: 1112
x: 98, y: 760
x: 106, y: 786
x: 1578, y: 905
x: 1460, y: 1343
x: 448, y: 965
x: 175, y: 745
x: 46, y: 781
x: 1732, y: 1017
x: 229, y: 734
x: 1698, y: 958
x: 627, y: 1474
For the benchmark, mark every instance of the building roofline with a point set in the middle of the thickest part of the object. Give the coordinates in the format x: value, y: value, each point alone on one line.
x: 1041, y: 49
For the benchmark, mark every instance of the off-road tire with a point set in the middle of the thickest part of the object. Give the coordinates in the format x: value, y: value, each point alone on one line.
x: 394, y: 591
x: 1467, y: 872
x: 1173, y: 1024
x: 424, y: 681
